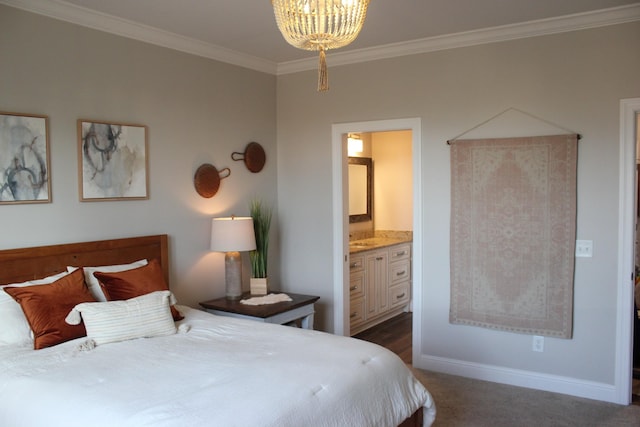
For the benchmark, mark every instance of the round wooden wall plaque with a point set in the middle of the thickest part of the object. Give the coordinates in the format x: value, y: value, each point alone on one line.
x: 254, y: 157
x: 207, y: 179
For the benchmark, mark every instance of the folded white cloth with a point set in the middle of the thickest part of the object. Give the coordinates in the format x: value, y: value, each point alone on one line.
x: 267, y: 299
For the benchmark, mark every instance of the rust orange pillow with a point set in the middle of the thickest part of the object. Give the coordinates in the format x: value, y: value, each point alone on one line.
x: 124, y: 285
x: 46, y: 306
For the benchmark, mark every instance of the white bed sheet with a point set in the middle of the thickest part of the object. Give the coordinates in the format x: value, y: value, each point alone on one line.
x: 216, y: 371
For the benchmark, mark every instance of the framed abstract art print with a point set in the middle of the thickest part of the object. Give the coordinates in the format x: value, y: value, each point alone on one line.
x: 24, y: 159
x: 113, y: 161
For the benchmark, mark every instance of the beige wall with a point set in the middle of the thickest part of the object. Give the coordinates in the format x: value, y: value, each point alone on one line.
x: 393, y: 202
x: 575, y: 79
x: 197, y: 111
x: 392, y: 175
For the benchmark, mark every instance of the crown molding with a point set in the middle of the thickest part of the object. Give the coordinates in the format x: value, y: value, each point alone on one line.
x: 64, y: 11
x: 579, y: 21
x: 68, y: 12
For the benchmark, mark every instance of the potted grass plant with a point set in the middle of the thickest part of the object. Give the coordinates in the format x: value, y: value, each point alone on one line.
x: 261, y: 215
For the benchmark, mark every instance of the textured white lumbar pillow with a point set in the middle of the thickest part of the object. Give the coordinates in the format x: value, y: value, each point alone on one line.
x: 141, y: 317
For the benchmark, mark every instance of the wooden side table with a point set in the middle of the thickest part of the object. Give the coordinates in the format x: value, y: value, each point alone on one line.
x: 301, y: 307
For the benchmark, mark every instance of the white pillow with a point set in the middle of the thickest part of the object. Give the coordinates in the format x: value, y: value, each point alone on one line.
x: 92, y: 282
x: 140, y: 317
x: 14, y: 327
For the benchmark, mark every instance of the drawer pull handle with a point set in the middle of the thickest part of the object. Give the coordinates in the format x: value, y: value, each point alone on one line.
x: 354, y: 265
x: 401, y: 273
x: 400, y: 296
x: 401, y: 253
x: 379, y: 258
x: 353, y: 315
x: 353, y: 288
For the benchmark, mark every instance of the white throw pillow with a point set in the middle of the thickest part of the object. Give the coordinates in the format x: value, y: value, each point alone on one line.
x: 140, y: 317
x: 14, y: 327
x: 92, y: 282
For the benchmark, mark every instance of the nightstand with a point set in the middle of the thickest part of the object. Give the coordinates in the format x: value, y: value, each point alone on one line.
x: 301, y: 307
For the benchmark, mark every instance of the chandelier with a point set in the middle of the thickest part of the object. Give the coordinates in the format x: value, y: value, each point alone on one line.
x: 320, y: 25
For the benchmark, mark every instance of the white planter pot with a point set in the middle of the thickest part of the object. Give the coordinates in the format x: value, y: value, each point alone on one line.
x: 258, y: 285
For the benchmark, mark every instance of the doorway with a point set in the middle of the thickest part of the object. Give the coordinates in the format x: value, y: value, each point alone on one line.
x: 341, y: 219
x: 629, y: 112
x: 635, y: 355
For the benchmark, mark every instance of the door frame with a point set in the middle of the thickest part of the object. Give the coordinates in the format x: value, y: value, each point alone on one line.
x: 629, y: 111
x: 341, y: 219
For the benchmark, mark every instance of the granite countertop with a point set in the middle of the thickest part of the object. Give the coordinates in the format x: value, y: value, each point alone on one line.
x: 371, y: 243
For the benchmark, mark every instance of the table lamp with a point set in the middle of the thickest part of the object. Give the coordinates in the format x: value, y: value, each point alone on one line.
x: 232, y: 235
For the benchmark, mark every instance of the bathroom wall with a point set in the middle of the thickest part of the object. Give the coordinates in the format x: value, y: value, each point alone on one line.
x: 392, y: 182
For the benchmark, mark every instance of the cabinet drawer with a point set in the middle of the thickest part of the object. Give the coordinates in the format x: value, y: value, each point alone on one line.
x: 400, y: 271
x: 400, y: 294
x: 356, y: 263
x: 356, y: 284
x: 356, y: 312
x: 399, y: 252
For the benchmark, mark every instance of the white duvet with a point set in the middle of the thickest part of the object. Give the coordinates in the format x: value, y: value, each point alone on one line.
x: 216, y: 371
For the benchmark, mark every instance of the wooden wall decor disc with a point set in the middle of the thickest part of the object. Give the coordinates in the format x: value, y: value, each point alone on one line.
x: 254, y: 157
x: 207, y: 179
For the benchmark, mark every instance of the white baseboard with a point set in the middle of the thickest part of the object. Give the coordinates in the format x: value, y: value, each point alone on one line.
x: 520, y: 378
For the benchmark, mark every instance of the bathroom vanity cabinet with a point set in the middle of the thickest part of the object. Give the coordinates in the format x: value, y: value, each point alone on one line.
x: 379, y: 285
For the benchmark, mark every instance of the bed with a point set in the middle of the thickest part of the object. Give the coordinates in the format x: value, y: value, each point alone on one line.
x: 210, y: 371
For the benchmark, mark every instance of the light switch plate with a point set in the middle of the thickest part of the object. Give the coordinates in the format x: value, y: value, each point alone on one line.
x: 584, y: 248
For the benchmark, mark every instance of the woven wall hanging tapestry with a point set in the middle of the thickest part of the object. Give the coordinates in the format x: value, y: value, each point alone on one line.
x: 513, y: 216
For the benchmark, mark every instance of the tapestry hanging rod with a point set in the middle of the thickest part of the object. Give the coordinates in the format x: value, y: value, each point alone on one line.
x: 519, y: 111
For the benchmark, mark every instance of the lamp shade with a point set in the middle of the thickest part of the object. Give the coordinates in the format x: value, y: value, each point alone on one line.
x: 232, y: 234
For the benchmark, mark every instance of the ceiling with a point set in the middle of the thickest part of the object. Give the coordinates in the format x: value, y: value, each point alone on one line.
x: 244, y: 32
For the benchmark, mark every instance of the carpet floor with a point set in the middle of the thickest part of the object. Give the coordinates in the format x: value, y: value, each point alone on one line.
x: 464, y: 402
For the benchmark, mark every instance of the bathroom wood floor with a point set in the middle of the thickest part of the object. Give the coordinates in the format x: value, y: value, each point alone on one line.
x: 394, y: 334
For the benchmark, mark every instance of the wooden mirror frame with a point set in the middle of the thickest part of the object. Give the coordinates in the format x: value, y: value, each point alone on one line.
x: 368, y: 216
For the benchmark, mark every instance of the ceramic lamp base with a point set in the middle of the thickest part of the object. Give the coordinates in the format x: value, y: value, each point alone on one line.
x: 233, y: 275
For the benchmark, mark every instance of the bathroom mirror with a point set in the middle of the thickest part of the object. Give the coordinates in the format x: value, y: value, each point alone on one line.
x: 360, y: 189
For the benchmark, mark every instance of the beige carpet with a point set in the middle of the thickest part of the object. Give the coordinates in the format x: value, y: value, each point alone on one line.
x: 463, y: 402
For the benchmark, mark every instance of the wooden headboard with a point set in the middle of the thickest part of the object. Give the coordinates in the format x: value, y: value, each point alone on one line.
x: 19, y: 265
